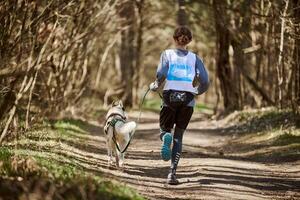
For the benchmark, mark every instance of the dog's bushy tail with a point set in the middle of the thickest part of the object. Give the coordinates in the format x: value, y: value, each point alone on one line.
x: 127, y: 128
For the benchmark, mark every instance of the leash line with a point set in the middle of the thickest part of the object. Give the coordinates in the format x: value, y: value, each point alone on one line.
x: 141, y: 105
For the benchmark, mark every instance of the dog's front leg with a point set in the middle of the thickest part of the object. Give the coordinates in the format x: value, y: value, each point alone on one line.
x: 110, y: 160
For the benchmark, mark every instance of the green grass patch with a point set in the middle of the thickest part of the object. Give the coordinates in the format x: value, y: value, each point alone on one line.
x: 59, y: 171
x: 286, y: 139
x: 67, y: 125
x: 200, y: 107
x: 5, y: 155
x: 153, y: 105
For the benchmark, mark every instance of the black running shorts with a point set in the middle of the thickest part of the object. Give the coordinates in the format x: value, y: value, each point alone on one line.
x: 180, y: 116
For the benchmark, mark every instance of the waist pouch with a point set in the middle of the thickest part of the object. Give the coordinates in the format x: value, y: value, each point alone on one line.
x: 176, y: 98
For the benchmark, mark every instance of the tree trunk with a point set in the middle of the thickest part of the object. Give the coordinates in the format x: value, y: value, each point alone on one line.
x: 127, y: 50
x: 139, y: 45
x: 181, y: 14
x: 224, y: 72
x: 296, y: 57
x: 279, y: 67
x: 241, y: 40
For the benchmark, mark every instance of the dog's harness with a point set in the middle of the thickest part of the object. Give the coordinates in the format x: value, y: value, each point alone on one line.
x: 111, y: 121
x: 114, y: 118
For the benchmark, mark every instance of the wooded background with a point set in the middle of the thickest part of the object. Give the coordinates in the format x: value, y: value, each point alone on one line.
x: 53, y: 53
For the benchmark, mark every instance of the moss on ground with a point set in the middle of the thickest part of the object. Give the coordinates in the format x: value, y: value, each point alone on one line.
x: 292, y: 137
x: 263, y: 119
x: 267, y: 134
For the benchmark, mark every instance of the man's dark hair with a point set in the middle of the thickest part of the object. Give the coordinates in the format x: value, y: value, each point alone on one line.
x: 182, y: 35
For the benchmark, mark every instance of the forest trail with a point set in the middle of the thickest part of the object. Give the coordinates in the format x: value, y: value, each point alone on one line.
x: 206, y: 170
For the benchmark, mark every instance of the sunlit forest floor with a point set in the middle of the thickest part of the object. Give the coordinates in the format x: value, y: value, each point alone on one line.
x: 252, y: 154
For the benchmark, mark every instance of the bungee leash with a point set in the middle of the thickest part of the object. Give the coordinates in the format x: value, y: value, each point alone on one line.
x: 141, y: 105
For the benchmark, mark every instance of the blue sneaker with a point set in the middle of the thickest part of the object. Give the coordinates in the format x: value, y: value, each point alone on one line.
x: 166, y: 147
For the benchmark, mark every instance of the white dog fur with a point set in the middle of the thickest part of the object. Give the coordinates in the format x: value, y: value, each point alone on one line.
x: 123, y: 133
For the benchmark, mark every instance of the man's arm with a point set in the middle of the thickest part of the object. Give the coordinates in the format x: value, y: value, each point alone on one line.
x: 161, y: 73
x: 162, y: 69
x: 202, y: 76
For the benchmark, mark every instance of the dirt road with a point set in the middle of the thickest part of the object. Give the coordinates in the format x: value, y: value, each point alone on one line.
x: 206, y: 170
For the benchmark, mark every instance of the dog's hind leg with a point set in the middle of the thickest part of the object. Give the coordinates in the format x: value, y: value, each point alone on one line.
x: 109, y: 154
x: 121, y: 159
x: 117, y: 158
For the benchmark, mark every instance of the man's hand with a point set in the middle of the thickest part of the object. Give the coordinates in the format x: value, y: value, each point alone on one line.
x: 196, y: 81
x: 153, y: 86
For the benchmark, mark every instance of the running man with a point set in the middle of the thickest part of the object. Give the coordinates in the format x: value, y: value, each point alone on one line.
x: 184, y: 76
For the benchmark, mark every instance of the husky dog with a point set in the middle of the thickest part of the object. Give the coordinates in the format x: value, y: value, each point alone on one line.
x: 118, y: 133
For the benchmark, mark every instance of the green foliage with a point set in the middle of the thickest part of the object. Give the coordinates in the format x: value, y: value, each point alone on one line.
x: 5, y: 155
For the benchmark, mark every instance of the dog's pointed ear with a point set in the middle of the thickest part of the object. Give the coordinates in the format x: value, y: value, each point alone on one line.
x: 121, y: 103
